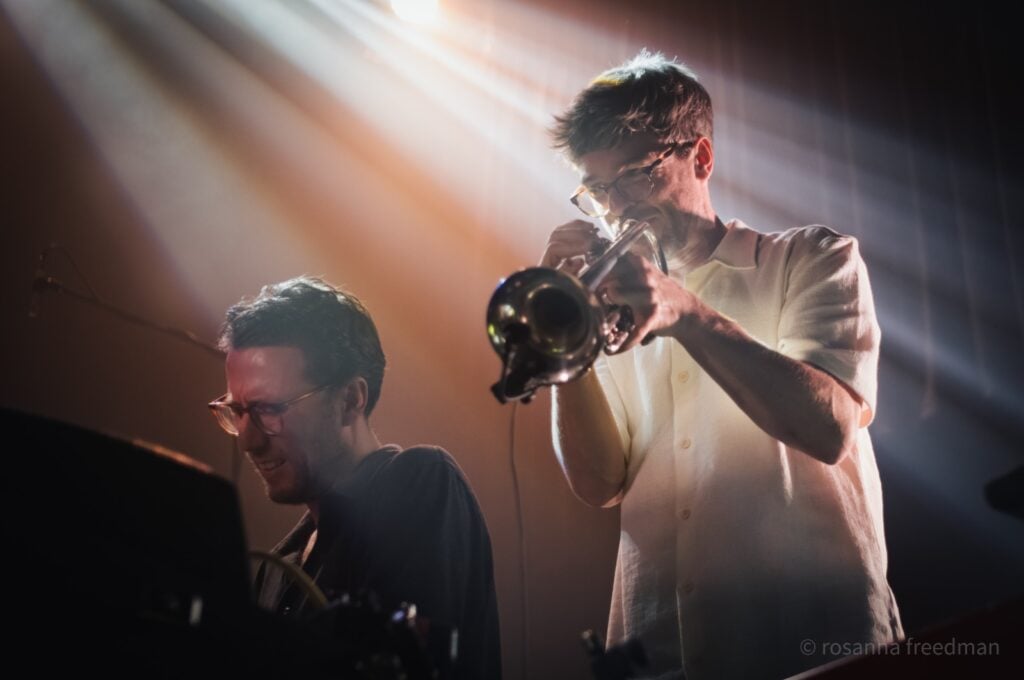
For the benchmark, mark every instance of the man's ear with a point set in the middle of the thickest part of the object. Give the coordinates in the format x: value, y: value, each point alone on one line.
x: 351, y: 400
x: 703, y: 159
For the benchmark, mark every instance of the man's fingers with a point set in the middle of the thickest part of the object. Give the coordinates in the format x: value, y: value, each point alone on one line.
x: 638, y: 334
x: 635, y: 295
x: 571, y: 240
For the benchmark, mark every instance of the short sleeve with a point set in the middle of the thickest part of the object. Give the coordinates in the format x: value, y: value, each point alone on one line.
x: 430, y: 546
x: 613, y: 397
x: 420, y: 528
x: 828, y: 314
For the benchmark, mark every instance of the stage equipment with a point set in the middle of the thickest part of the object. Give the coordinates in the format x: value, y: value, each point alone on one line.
x: 127, y: 560
x: 1006, y: 493
x: 548, y: 325
x: 620, y: 662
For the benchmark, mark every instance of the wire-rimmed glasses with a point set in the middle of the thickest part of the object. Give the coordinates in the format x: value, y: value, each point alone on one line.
x: 633, y: 185
x: 269, y: 418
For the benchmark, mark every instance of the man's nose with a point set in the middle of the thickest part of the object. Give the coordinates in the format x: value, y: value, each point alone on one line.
x: 618, y: 203
x: 250, y: 436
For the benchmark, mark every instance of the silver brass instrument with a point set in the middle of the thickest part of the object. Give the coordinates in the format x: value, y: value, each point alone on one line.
x: 548, y: 325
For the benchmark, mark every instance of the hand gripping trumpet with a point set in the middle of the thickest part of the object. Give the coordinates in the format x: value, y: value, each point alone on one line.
x: 548, y: 326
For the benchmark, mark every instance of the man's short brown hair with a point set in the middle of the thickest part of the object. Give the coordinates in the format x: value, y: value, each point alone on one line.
x: 649, y: 93
x: 331, y: 326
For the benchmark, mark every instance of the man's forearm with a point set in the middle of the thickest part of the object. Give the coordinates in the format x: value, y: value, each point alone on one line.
x: 587, y: 442
x: 798, y: 404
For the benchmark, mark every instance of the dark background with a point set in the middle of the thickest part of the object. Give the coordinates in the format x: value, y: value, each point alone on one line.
x: 184, y: 158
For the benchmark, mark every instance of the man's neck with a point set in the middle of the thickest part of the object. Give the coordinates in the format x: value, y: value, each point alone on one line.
x: 703, y: 238
x: 363, y: 441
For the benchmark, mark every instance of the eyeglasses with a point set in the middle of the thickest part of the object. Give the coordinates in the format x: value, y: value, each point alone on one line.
x: 633, y: 185
x: 269, y: 418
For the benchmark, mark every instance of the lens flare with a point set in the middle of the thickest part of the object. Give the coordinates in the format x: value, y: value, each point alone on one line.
x: 416, y: 11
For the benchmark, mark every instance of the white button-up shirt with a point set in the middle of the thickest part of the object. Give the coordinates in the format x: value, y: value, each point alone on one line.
x: 735, y: 549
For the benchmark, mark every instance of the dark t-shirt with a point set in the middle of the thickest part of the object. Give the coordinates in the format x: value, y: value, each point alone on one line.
x: 406, y: 526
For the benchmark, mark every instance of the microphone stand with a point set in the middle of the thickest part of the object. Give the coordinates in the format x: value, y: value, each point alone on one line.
x: 43, y: 283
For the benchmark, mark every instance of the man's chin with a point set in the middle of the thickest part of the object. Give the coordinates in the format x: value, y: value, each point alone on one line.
x: 285, y: 496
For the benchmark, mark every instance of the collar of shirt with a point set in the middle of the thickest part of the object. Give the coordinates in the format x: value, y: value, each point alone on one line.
x: 738, y: 248
x: 332, y: 505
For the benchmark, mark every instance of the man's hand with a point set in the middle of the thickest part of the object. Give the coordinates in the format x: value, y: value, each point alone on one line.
x: 570, y: 244
x: 797, y: 403
x: 656, y: 301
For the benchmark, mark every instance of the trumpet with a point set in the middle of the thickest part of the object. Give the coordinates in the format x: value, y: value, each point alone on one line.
x: 548, y: 326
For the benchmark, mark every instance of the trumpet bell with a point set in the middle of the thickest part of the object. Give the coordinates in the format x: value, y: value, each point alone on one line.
x: 547, y: 327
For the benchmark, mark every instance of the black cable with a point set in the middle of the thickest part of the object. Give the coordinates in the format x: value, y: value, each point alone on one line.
x: 523, y: 600
x: 63, y: 250
x: 45, y: 283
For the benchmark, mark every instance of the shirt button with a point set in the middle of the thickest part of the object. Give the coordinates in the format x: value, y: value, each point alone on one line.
x: 688, y: 588
x: 685, y: 514
x: 687, y: 443
x: 683, y: 376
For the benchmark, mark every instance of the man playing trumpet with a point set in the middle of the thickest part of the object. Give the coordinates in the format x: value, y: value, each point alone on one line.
x: 735, y: 436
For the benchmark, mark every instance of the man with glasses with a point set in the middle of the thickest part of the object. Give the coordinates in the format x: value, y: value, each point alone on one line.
x: 304, y: 372
x: 730, y: 419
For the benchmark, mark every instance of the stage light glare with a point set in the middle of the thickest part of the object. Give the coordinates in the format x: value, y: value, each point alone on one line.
x: 416, y: 11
